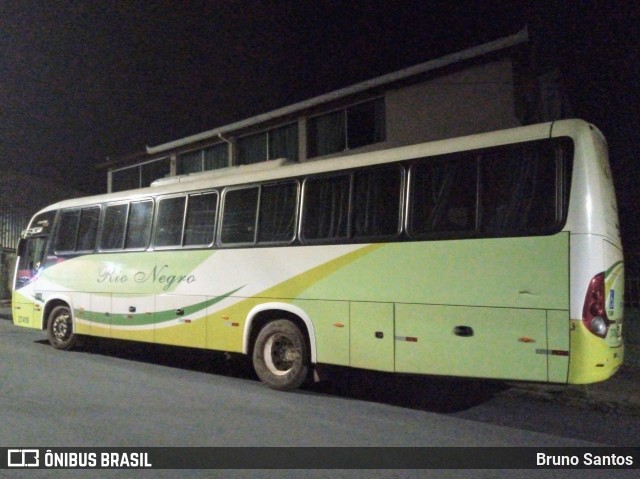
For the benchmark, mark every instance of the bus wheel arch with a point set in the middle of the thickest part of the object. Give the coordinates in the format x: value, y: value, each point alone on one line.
x: 280, y: 345
x: 60, y: 326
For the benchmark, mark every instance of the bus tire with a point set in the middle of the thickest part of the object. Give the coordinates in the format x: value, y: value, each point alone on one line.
x: 60, y: 329
x: 280, y: 356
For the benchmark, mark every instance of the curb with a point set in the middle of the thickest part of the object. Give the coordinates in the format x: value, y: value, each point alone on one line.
x: 619, y: 394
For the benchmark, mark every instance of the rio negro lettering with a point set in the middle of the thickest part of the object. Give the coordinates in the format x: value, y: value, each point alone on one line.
x: 161, y: 275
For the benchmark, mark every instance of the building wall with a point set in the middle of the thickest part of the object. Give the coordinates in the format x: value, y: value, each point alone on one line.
x: 474, y: 100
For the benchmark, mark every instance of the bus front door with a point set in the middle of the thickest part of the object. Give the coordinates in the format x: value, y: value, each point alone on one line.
x: 26, y: 306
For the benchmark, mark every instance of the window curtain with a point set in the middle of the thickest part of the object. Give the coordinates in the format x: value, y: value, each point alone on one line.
x: 277, y: 212
x: 376, y: 202
x: 190, y: 162
x: 252, y: 149
x: 327, y: 134
x: 327, y: 208
x: 283, y: 142
x: 216, y: 156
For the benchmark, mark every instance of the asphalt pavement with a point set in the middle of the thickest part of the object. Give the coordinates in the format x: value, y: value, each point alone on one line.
x: 621, y: 393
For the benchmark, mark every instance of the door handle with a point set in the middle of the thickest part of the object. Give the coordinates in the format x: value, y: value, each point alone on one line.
x: 463, y: 331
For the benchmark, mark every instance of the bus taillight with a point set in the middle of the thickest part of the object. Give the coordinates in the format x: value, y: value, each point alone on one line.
x: 594, y: 313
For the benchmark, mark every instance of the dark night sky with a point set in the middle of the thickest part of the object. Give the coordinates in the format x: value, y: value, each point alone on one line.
x: 81, y: 80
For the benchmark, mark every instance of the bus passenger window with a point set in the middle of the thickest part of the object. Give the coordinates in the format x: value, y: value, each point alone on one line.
x: 518, y: 189
x: 326, y: 208
x: 139, y: 225
x: 201, y: 219
x: 443, y: 197
x: 88, y: 230
x: 376, y: 202
x: 168, y: 230
x: 239, y: 217
x: 115, y: 219
x: 66, y: 236
x: 277, y: 219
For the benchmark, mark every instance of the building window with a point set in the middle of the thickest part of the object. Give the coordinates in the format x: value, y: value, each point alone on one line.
x: 252, y: 149
x: 150, y: 172
x: 281, y: 142
x: 359, y: 125
x: 125, y: 179
x: 190, y: 162
x: 211, y: 158
x: 139, y: 176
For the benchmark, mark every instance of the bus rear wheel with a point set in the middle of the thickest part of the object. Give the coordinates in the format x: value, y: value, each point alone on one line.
x: 60, y: 329
x: 280, y: 356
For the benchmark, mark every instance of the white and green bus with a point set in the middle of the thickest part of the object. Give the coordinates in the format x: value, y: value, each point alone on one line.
x: 496, y: 255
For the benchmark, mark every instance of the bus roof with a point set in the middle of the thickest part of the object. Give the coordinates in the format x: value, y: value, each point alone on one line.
x: 281, y: 168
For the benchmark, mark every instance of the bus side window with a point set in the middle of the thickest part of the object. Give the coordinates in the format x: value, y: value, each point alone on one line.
x: 376, y: 202
x: 201, y: 219
x: 88, y: 228
x: 169, y: 222
x: 239, y: 216
x: 518, y: 189
x: 443, y: 196
x: 115, y: 220
x: 67, y: 231
x: 326, y: 208
x: 277, y: 218
x: 139, y: 225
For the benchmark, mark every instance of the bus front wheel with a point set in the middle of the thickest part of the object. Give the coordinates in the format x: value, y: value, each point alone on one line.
x: 280, y: 356
x: 60, y: 328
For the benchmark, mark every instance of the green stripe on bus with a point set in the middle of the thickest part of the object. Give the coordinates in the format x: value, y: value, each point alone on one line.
x: 144, y: 319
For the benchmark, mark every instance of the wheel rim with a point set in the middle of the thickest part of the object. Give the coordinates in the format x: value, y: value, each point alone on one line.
x: 62, y: 327
x: 281, y: 354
